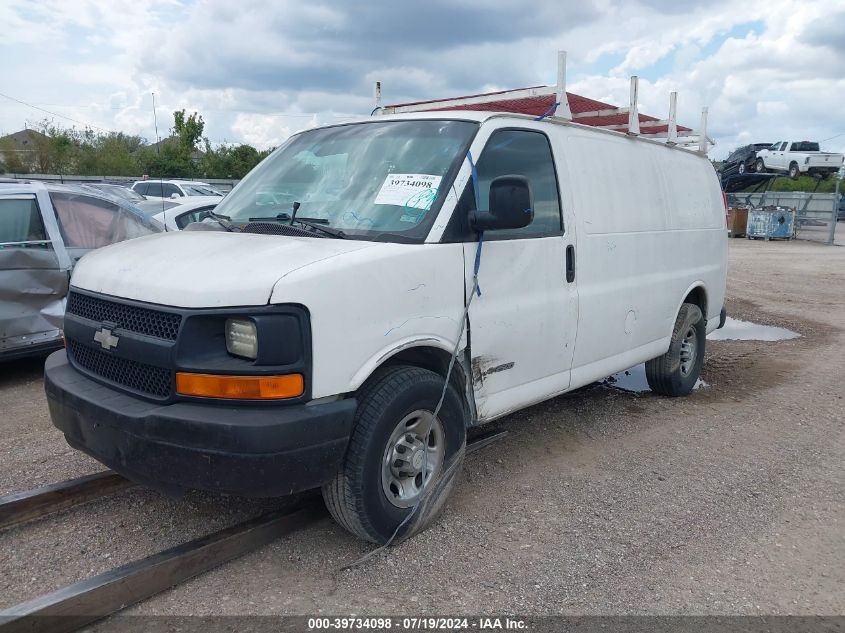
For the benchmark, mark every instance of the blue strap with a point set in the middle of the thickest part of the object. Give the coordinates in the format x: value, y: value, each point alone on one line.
x: 474, y: 177
x: 478, y: 262
x: 548, y: 112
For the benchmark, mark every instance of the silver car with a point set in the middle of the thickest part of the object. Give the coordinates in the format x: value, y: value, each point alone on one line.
x: 44, y: 230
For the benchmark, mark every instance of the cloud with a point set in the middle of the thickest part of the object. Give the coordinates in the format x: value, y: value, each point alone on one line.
x: 260, y: 70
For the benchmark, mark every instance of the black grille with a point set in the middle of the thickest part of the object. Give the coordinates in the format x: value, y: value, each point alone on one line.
x: 277, y: 228
x: 164, y: 325
x: 155, y: 381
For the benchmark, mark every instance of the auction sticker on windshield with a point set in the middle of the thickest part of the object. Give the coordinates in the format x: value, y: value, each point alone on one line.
x: 409, y: 190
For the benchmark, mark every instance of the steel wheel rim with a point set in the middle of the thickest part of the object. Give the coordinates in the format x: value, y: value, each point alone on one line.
x: 417, y: 444
x: 741, y: 168
x: 689, y: 351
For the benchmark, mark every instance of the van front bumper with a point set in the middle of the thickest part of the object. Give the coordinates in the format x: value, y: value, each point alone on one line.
x: 256, y: 451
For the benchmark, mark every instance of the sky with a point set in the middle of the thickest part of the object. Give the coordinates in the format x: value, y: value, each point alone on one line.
x: 259, y: 70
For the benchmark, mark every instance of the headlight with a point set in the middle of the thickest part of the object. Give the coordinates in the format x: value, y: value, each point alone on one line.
x: 241, y: 338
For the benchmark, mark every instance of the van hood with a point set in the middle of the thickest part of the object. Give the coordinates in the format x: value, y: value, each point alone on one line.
x: 202, y: 269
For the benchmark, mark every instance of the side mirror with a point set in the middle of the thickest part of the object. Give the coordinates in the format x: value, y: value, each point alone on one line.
x: 511, y: 205
x: 174, y: 196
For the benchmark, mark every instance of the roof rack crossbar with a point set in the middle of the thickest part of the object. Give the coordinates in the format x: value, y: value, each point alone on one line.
x: 702, y: 132
x: 600, y: 113
x: 672, y: 137
x: 633, y: 113
x: 445, y: 104
x: 562, y: 110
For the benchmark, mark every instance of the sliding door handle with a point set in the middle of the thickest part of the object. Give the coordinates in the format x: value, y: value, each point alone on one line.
x: 570, y: 263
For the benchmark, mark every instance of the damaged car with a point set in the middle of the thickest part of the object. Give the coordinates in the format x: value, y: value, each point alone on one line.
x: 44, y: 230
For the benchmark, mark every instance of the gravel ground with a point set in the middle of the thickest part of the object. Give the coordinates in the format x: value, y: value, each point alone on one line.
x: 730, y: 501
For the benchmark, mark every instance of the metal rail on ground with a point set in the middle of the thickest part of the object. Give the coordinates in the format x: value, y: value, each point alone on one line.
x: 34, y: 504
x: 86, y: 601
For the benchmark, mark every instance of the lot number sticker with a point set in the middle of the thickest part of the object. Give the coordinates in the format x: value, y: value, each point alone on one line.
x: 417, y: 191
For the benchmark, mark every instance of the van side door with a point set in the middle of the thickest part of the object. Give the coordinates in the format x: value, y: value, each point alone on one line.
x: 522, y: 326
x: 34, y: 276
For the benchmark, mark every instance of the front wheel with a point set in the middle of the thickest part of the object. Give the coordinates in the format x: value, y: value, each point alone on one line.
x: 402, y: 462
x: 676, y: 372
x: 741, y: 169
x: 761, y: 166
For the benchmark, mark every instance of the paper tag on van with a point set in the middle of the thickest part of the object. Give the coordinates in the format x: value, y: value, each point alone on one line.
x: 417, y: 191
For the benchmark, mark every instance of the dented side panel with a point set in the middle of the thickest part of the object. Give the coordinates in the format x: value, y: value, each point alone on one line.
x: 32, y: 298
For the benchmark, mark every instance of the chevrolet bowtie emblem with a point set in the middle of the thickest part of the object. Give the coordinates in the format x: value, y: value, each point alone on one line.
x: 105, y: 338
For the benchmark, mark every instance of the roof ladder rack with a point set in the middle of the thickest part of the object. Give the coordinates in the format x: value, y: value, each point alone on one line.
x: 592, y: 112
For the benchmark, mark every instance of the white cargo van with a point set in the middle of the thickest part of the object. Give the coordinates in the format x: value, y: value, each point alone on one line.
x: 305, y: 343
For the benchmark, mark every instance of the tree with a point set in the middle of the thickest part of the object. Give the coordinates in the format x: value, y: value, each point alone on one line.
x: 89, y: 153
x: 188, y: 131
x: 112, y: 154
x: 230, y: 161
x: 175, y: 156
x: 13, y: 160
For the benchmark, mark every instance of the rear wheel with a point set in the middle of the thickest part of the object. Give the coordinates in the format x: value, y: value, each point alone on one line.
x: 793, y: 171
x: 741, y: 169
x: 676, y: 372
x: 402, y: 462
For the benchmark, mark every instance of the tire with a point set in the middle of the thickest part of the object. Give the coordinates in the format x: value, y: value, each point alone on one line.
x: 357, y: 497
x: 794, y: 172
x: 670, y: 374
x: 741, y: 169
x: 761, y: 166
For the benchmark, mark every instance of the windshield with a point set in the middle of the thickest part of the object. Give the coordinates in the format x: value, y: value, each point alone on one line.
x: 200, y: 190
x: 129, y: 194
x: 383, y: 180
x: 123, y: 192
x: 152, y: 207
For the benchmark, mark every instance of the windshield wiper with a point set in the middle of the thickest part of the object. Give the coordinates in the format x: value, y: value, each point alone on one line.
x: 286, y: 216
x: 223, y: 220
x: 314, y: 223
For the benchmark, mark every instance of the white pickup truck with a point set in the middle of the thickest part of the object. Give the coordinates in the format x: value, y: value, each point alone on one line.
x: 798, y: 157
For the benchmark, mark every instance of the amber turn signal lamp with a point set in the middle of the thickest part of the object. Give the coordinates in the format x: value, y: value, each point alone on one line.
x: 240, y: 387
